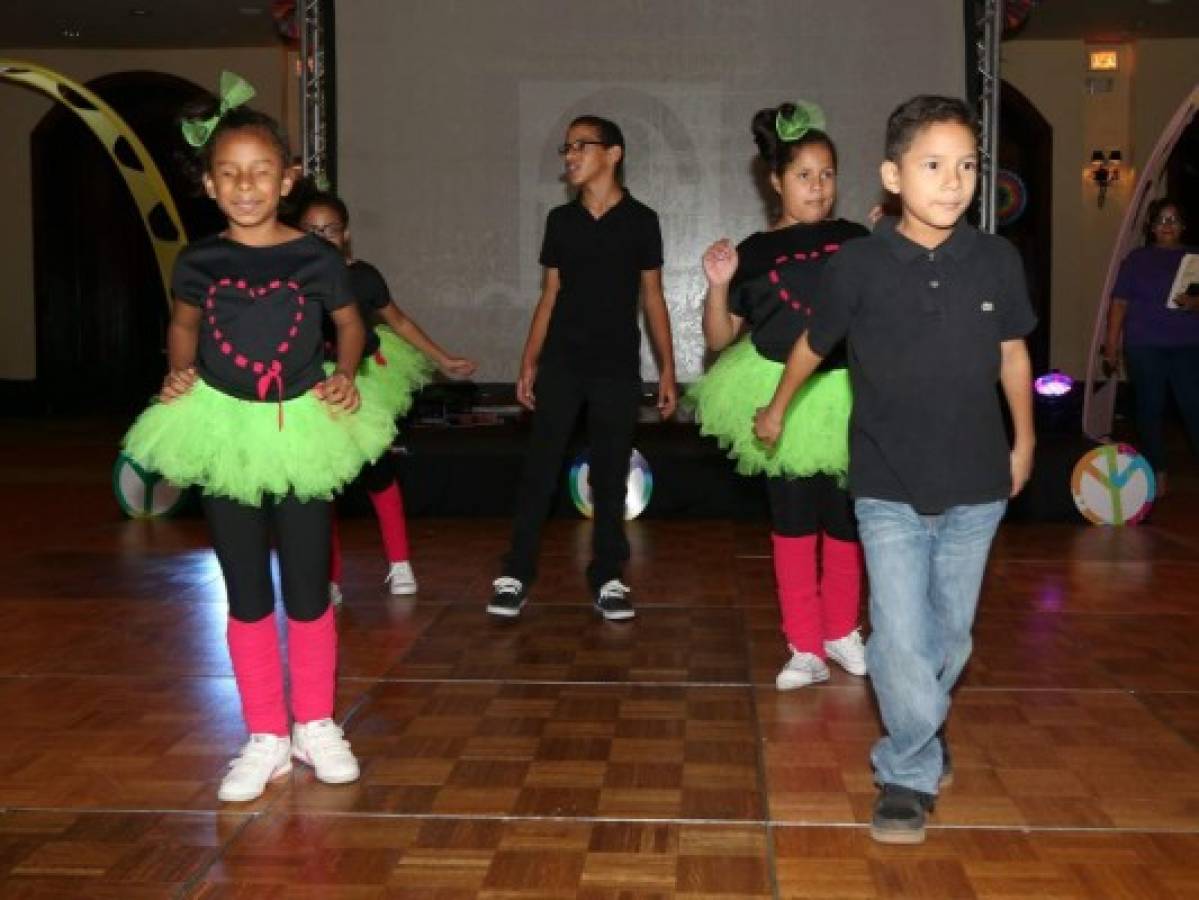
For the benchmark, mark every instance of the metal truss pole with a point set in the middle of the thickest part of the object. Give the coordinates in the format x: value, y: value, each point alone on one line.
x: 314, y: 22
x: 989, y: 29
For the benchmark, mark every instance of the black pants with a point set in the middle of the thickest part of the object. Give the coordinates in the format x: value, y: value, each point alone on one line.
x: 803, y: 506
x: 611, y: 410
x: 379, y: 475
x: 241, y: 537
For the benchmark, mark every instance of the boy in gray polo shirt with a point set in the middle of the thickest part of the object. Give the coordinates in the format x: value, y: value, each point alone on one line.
x: 935, y: 314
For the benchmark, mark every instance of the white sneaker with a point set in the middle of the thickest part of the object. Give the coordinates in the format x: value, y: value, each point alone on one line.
x: 320, y: 744
x: 801, y: 670
x: 335, y: 596
x: 848, y: 652
x: 264, y: 758
x: 400, y: 579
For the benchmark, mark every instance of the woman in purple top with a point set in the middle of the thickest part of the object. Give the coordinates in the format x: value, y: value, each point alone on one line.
x: 1157, y: 333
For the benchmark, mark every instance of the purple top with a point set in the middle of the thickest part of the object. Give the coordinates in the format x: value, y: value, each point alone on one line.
x: 1144, y: 282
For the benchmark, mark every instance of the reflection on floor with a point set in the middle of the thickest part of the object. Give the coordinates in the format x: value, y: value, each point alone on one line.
x: 561, y: 756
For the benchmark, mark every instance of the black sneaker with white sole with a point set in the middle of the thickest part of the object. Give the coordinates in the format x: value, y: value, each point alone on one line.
x: 899, y: 815
x: 508, y: 597
x: 612, y: 601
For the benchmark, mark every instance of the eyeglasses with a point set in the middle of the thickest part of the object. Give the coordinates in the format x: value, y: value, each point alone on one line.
x: 328, y: 230
x: 579, y: 146
x: 1168, y: 219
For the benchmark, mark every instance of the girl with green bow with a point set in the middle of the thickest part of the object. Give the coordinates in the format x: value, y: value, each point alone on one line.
x: 248, y: 415
x: 767, y: 287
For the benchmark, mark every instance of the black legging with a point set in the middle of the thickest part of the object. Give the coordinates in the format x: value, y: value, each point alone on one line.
x: 241, y: 537
x: 378, y: 475
x: 803, y: 506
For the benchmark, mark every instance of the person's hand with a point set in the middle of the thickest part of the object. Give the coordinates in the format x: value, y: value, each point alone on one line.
x: 177, y: 383
x: 1111, y: 359
x: 457, y: 367
x: 720, y: 262
x: 768, y: 426
x: 668, y: 396
x: 1021, y: 460
x: 524, y: 386
x: 338, y: 391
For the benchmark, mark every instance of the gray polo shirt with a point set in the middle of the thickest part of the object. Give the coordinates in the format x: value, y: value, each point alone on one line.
x: 923, y: 330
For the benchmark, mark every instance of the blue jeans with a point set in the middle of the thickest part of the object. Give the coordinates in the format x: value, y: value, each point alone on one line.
x: 925, y: 575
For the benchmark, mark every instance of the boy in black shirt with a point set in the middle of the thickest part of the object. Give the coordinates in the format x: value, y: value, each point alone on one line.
x: 600, y: 251
x: 935, y: 313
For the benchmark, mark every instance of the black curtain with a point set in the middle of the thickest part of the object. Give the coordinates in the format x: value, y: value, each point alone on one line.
x: 101, y: 310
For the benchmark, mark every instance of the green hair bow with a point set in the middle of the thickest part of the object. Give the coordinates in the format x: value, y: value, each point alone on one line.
x: 806, y: 117
x: 235, y: 91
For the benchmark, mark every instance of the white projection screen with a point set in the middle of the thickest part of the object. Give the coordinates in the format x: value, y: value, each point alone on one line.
x: 449, y: 113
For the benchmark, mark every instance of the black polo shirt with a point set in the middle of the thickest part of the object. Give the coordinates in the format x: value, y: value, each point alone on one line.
x: 923, y: 329
x: 777, y: 283
x: 593, y: 329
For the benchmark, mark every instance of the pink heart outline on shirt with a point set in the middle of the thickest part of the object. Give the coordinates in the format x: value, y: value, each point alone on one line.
x: 267, y: 370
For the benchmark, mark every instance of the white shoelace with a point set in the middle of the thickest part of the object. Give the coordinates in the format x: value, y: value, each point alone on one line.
x: 258, y: 751
x: 506, y: 585
x: 325, y: 737
x: 614, y: 589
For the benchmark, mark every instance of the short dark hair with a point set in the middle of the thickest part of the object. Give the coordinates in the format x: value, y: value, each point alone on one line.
x: 912, y: 116
x: 609, y: 134
x: 327, y: 199
x: 1155, y: 210
x: 238, y: 119
x: 773, y: 150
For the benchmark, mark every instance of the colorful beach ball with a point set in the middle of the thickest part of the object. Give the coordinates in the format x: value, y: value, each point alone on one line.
x: 1113, y: 485
x: 143, y: 494
x: 640, y: 485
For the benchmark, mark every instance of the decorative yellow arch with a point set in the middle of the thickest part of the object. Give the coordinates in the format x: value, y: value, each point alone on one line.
x: 150, y: 193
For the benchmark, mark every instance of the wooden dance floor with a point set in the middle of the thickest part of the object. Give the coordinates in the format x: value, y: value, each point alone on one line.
x: 560, y: 756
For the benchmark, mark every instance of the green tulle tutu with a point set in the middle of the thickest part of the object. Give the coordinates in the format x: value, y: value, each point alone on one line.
x: 815, y: 435
x: 390, y: 378
x: 235, y: 448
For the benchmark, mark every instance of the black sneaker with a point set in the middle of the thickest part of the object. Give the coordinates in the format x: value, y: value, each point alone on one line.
x: 946, y: 762
x: 612, y: 601
x: 899, y: 814
x: 508, y: 597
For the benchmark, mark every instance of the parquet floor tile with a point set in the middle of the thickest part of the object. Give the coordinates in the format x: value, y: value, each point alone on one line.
x: 561, y: 756
x: 448, y: 858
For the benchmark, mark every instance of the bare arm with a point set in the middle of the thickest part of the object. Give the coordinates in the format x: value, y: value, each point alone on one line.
x: 551, y: 282
x: 657, y: 318
x: 338, y: 389
x: 183, y: 336
x: 801, y: 363
x: 351, y: 338
x: 407, y: 328
x: 1015, y: 375
x: 1116, y: 312
x: 720, y: 326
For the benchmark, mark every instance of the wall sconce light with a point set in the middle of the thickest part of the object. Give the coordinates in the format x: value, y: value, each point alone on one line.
x: 1105, y: 170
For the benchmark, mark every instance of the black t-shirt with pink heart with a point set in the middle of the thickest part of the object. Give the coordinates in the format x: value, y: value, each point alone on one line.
x: 776, y: 285
x: 260, y: 332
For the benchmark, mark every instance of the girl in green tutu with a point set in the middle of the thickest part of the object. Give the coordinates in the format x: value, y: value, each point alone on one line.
x: 768, y: 285
x: 397, y: 361
x: 248, y: 414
